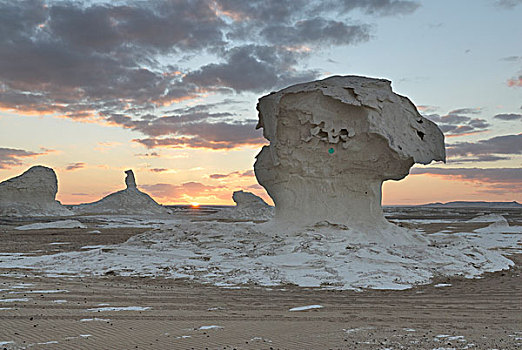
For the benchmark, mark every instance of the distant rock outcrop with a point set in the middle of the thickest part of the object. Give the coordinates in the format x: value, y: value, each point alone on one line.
x: 129, y: 201
x: 31, y: 194
x: 467, y: 204
x: 250, y: 206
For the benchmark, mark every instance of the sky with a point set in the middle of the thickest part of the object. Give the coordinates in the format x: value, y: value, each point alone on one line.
x: 169, y: 89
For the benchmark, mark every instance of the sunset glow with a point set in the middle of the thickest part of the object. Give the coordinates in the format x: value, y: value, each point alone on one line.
x: 169, y: 89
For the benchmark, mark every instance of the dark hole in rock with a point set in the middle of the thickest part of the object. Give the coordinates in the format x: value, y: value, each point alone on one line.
x: 419, y: 121
x: 322, y: 134
x: 343, y: 132
x: 421, y: 135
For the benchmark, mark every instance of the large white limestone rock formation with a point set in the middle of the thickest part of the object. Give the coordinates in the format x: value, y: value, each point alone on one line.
x: 129, y: 201
x: 332, y: 144
x: 31, y: 194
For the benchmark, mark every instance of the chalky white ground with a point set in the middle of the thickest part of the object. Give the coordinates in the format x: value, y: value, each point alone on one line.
x: 236, y: 253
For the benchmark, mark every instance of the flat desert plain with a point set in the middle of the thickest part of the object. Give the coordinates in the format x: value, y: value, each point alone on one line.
x: 40, y: 310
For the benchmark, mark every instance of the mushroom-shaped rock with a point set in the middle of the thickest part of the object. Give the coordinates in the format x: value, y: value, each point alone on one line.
x: 129, y: 201
x: 31, y: 194
x: 332, y: 144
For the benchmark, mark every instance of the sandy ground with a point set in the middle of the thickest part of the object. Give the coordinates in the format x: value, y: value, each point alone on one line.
x: 114, y: 312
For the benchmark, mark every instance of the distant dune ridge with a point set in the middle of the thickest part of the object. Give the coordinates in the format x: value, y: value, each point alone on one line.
x: 470, y: 204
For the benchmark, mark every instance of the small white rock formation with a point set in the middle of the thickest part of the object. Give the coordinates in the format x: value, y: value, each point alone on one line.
x: 31, y: 194
x: 129, y: 201
x: 250, y: 206
x: 52, y: 225
x: 332, y: 144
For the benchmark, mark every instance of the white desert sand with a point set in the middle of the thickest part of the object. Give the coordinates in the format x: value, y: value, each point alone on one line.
x: 152, y: 312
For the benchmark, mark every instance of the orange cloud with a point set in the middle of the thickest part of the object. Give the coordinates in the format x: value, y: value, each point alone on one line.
x: 198, y: 143
x: 515, y: 82
x: 12, y: 157
x: 467, y: 133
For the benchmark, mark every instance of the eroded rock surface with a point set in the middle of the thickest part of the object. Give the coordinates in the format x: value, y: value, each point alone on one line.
x: 32, y: 193
x: 250, y: 206
x: 129, y: 201
x: 332, y: 144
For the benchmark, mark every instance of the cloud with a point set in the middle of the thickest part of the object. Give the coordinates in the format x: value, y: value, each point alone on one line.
x: 427, y: 108
x: 458, y: 122
x: 253, y: 68
x: 158, y: 170
x: 316, y: 31
x: 12, y: 157
x: 481, y: 158
x: 511, y: 116
x: 500, y: 180
x: 246, y: 173
x: 507, y: 144
x: 515, y: 82
x: 124, y: 62
x: 75, y: 166
x: 512, y: 58
x: 147, y: 155
x: 508, y: 4
x: 195, y: 130
x: 464, y: 111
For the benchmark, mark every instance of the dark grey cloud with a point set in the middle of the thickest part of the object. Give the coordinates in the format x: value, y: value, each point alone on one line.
x: 12, y: 157
x: 508, y: 116
x: 508, y: 4
x: 465, y: 111
x: 252, y: 68
x: 454, y: 119
x: 512, y: 58
x: 458, y: 122
x: 316, y: 31
x: 153, y: 26
x: 75, y: 166
x: 370, y: 7
x: 122, y: 62
x: 507, y: 145
x: 196, y: 130
x: 480, y: 158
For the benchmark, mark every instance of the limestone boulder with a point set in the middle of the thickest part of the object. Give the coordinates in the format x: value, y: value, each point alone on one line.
x: 32, y: 193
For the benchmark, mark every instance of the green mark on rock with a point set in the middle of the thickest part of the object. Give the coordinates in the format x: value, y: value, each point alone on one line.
x: 331, y: 150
